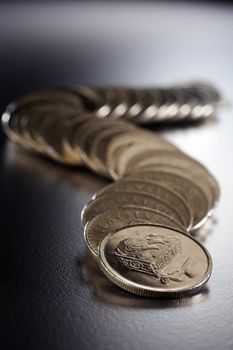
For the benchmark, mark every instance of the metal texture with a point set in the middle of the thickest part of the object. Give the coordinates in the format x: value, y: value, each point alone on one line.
x: 155, y: 261
x: 52, y: 294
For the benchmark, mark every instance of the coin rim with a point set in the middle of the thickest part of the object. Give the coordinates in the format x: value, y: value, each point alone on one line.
x: 147, y: 291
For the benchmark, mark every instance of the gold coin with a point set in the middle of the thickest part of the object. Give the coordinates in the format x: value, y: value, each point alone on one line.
x: 155, y: 261
x: 113, y: 220
x: 50, y: 97
x: 29, y: 119
x: 121, y: 143
x: 178, y: 160
x: 121, y: 199
x: 166, y: 195
x: 123, y: 159
x: 52, y: 132
x: 190, y: 191
x: 87, y: 134
x: 196, y: 178
x: 10, y: 121
x: 100, y: 145
x: 68, y: 139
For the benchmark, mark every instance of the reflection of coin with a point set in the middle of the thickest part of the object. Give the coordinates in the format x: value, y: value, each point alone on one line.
x: 122, y: 199
x: 157, y: 190
x: 155, y: 261
x: 113, y: 220
x: 191, y: 192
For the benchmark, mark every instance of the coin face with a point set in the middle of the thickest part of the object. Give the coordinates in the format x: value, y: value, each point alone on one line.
x: 127, y: 160
x: 178, y: 162
x: 113, y: 220
x: 164, y: 194
x: 191, y: 192
x: 121, y: 144
x: 100, y: 144
x: 122, y: 199
x: 87, y: 134
x: 196, y: 178
x: 155, y: 261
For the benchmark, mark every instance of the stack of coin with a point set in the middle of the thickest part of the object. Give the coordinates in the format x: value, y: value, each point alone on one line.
x: 140, y: 228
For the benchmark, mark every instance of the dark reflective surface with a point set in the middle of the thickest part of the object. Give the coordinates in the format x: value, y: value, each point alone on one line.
x: 52, y: 295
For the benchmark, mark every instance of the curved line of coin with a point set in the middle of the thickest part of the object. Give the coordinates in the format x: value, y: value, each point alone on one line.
x: 155, y: 182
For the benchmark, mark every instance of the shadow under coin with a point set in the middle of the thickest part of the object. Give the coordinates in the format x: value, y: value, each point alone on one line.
x: 108, y: 292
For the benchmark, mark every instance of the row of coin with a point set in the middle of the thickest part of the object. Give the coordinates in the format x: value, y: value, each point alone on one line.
x: 191, y: 101
x: 140, y: 106
x: 156, y: 184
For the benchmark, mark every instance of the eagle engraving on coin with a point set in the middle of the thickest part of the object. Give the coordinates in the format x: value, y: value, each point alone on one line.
x: 152, y: 255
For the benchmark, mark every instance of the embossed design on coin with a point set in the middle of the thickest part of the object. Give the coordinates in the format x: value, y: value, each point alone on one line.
x: 152, y: 254
x: 155, y: 261
x: 113, y: 220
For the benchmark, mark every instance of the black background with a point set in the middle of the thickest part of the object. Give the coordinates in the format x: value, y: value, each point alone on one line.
x: 52, y: 295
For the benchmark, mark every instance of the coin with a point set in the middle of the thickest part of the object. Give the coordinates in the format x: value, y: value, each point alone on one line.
x: 52, y: 133
x: 100, y: 145
x: 88, y: 96
x: 209, y: 93
x: 87, y: 133
x: 29, y: 119
x: 126, y: 161
x: 123, y: 103
x: 9, y: 124
x: 113, y: 220
x: 155, y: 261
x: 149, y: 112
x: 39, y: 98
x: 157, y: 190
x: 121, y: 199
x: 177, y: 160
x: 191, y: 192
x: 68, y: 138
x: 196, y: 178
x: 143, y: 100
x: 104, y: 102
x: 121, y: 143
